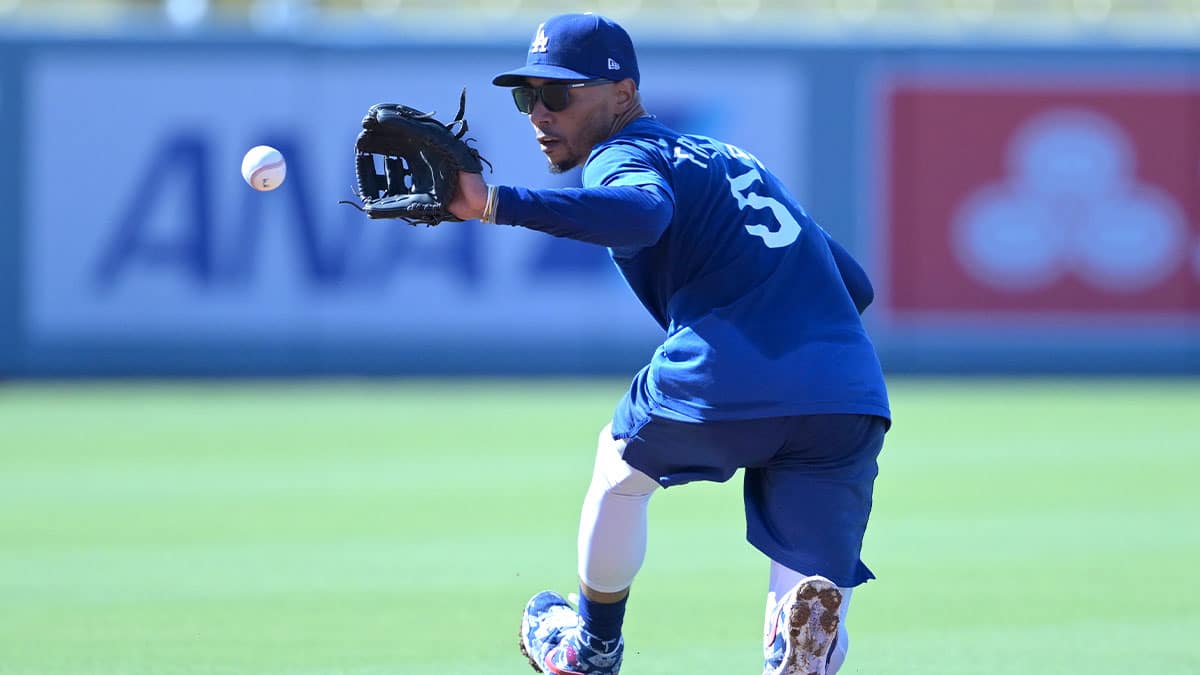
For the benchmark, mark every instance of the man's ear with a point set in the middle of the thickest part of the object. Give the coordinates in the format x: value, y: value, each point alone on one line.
x: 626, y: 92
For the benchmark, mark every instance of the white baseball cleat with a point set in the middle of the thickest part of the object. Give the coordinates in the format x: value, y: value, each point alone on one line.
x: 806, y: 623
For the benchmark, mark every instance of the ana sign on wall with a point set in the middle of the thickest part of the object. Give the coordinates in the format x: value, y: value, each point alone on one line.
x: 163, y: 242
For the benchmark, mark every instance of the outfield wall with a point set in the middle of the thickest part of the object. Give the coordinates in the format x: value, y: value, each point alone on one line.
x: 1019, y: 208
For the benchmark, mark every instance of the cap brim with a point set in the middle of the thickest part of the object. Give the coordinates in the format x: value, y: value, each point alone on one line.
x: 516, y: 78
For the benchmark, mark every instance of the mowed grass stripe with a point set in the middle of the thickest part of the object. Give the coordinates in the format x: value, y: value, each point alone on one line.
x: 1021, y: 526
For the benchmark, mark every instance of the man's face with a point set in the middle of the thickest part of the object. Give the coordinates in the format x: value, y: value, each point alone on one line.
x: 567, y: 136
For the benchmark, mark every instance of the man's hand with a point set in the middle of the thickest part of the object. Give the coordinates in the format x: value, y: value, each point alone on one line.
x: 471, y: 196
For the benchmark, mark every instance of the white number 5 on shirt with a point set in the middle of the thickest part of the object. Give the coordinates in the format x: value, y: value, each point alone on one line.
x: 787, y: 229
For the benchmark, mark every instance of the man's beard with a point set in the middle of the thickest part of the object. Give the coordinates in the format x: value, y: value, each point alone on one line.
x: 564, y: 166
x: 599, y: 133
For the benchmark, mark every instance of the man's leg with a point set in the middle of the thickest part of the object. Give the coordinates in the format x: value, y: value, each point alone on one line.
x: 782, y: 582
x: 807, y: 510
x: 612, y: 547
x: 613, y: 523
x: 612, y: 538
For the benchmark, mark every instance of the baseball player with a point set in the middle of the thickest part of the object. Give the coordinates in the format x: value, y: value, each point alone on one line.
x: 765, y: 365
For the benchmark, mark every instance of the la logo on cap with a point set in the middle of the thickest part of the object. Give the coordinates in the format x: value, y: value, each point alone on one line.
x: 540, y: 41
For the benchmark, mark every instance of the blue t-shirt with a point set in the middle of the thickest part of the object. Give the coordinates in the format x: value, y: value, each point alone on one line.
x: 759, y: 318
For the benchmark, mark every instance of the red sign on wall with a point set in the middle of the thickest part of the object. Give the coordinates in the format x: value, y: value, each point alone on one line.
x: 1067, y: 200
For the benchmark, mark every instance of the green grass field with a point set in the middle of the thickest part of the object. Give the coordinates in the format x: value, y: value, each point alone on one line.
x: 1020, y: 527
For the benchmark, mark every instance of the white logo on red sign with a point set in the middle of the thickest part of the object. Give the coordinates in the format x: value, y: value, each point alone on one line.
x: 1071, y: 203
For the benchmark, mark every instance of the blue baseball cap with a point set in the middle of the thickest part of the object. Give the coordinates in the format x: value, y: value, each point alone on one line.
x: 576, y: 47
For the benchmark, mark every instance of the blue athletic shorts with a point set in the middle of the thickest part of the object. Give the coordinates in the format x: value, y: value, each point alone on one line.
x: 807, y: 484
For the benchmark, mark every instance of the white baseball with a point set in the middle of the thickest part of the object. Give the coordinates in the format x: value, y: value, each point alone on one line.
x: 263, y: 168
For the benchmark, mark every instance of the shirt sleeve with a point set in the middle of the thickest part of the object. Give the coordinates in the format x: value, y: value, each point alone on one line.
x: 625, y: 203
x: 853, y: 275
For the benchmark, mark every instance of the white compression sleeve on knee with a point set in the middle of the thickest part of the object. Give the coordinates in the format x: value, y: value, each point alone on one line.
x: 612, y: 526
x: 782, y: 581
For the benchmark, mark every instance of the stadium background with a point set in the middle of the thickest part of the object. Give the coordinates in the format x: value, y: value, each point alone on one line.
x: 246, y: 432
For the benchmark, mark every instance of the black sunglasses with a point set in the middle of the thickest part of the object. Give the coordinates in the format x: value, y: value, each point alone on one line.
x: 555, y: 97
